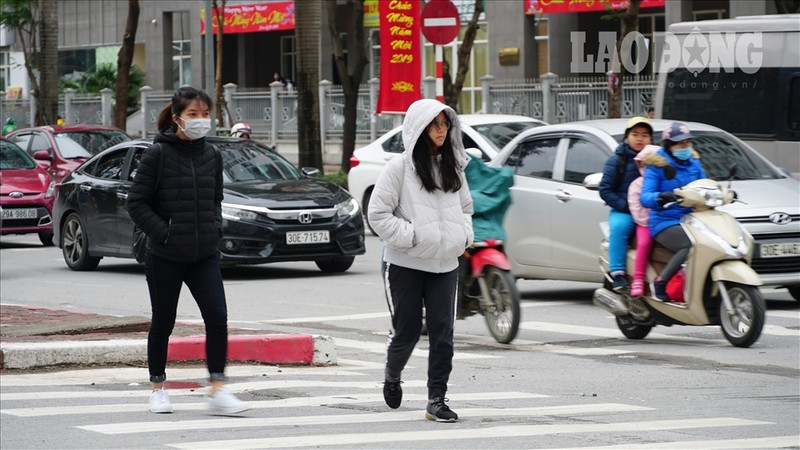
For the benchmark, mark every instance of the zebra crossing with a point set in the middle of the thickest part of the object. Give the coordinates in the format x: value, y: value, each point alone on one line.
x: 332, y: 407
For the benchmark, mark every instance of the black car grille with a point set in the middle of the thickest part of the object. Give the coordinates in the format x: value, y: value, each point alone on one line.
x: 316, y: 221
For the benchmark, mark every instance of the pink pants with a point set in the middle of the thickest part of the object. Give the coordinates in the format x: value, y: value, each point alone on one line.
x: 644, y: 243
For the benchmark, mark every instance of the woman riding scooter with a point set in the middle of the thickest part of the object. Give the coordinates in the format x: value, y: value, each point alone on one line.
x: 665, y: 212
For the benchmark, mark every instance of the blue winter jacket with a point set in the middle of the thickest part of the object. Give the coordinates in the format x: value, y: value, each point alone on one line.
x: 655, y: 183
x: 613, y: 191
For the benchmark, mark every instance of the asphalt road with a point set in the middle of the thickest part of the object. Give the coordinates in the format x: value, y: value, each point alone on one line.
x: 570, y: 379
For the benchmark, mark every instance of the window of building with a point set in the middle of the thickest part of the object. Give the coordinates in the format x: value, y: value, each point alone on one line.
x: 5, y: 69
x: 288, y: 53
x: 181, y: 63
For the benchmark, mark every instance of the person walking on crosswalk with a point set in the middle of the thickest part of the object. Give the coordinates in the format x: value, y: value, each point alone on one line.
x: 422, y: 209
x: 176, y: 200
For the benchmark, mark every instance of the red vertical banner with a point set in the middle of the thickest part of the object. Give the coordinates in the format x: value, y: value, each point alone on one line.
x: 401, y: 69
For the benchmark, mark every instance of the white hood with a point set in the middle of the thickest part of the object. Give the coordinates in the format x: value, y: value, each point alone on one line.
x: 419, y: 115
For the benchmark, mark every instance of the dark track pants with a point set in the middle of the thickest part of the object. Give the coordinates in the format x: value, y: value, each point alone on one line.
x: 204, y: 279
x: 408, y: 290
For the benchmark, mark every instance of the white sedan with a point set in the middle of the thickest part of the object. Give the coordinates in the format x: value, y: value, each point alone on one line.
x: 488, y: 133
x: 552, y: 225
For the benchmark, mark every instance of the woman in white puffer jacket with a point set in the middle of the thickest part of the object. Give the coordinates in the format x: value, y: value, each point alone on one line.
x: 422, y: 209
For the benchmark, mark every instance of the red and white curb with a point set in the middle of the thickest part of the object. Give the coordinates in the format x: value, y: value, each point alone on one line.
x: 299, y: 349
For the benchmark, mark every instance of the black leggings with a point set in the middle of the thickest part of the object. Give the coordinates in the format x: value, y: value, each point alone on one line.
x: 408, y: 290
x: 204, y: 279
x: 676, y: 240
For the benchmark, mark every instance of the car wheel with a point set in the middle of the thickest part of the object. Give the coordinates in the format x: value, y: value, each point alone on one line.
x: 794, y: 291
x: 365, y: 204
x: 335, y: 264
x: 46, y: 239
x: 76, y: 245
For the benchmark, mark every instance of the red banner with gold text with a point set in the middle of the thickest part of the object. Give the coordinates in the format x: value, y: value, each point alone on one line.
x: 573, y: 6
x: 253, y: 18
x: 401, y: 70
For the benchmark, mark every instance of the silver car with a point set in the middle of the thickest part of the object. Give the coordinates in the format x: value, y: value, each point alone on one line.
x: 552, y: 225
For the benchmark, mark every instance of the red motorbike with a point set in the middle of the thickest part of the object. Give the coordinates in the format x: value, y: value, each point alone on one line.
x: 488, y: 287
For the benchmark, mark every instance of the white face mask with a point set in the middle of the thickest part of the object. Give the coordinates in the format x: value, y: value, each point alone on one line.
x: 195, y: 128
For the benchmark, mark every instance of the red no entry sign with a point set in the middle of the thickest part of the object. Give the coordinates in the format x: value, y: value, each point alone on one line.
x: 440, y: 22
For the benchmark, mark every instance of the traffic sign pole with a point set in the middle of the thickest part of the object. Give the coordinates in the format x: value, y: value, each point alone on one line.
x: 439, y: 73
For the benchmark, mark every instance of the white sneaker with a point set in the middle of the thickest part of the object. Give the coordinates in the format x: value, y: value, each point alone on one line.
x: 225, y: 404
x: 159, y: 402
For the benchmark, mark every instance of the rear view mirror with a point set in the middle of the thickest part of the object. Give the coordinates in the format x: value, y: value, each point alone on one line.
x: 474, y: 152
x: 42, y: 155
x: 310, y: 172
x: 592, y: 181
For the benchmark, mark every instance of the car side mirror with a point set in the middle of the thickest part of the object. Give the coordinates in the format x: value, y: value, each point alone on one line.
x: 42, y: 155
x: 592, y: 181
x: 310, y: 172
x: 474, y: 152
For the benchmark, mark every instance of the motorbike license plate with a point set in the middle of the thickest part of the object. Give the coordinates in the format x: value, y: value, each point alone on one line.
x: 29, y: 213
x: 780, y: 250
x: 308, y: 237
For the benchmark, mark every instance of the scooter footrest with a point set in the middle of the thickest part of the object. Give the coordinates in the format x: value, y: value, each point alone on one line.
x: 638, y: 308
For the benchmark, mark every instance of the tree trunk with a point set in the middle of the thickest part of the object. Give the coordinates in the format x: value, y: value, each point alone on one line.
x: 219, y: 12
x: 47, y: 101
x: 629, y: 22
x: 452, y: 90
x: 308, y: 22
x: 124, y: 61
x: 351, y: 77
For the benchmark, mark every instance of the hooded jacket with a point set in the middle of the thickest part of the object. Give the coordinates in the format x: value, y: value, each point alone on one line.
x: 656, y: 182
x: 646, y: 157
x: 422, y: 230
x: 183, y: 217
x: 613, y: 188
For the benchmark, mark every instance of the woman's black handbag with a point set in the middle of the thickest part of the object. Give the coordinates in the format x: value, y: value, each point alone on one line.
x: 139, y: 245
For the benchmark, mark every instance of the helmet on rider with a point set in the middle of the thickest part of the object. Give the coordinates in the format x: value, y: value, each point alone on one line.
x: 241, y: 130
x: 640, y: 122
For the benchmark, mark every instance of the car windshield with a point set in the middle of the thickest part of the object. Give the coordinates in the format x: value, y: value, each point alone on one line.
x: 248, y: 161
x: 70, y: 149
x: 499, y: 134
x: 93, y: 142
x: 719, y: 152
x: 13, y: 157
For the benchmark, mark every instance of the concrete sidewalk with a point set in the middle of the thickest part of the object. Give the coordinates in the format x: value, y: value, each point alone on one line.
x: 39, y: 337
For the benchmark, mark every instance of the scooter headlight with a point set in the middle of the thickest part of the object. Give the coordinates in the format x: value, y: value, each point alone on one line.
x: 713, y: 197
x: 739, y: 252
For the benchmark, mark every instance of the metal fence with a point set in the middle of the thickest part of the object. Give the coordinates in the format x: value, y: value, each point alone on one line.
x: 272, y: 112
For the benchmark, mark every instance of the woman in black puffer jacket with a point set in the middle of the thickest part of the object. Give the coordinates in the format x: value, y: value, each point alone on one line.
x: 176, y: 199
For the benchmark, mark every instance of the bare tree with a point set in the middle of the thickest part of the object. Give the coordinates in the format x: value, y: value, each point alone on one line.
x: 308, y: 22
x: 351, y: 72
x: 452, y: 90
x: 629, y: 22
x: 218, y: 7
x: 124, y: 63
x: 48, y: 64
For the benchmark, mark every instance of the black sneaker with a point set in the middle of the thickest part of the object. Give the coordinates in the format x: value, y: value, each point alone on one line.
x: 620, y: 282
x: 392, y: 393
x: 440, y: 412
x: 660, y: 290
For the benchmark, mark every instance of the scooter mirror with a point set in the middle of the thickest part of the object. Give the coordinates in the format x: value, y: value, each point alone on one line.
x: 669, y: 171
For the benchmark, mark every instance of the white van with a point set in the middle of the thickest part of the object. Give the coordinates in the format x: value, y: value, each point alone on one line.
x: 741, y: 75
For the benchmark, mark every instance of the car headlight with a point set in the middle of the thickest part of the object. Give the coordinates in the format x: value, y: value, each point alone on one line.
x: 233, y: 213
x: 51, y: 190
x: 347, y: 208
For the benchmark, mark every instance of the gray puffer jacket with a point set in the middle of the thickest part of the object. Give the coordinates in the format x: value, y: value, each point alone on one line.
x: 422, y: 230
